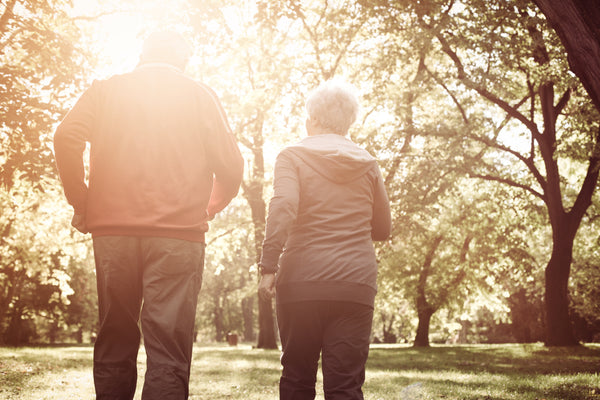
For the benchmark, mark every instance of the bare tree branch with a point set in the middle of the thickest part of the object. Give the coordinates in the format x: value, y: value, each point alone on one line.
x: 508, y: 117
x: 505, y: 106
x: 528, y: 161
x: 452, y: 96
x: 311, y: 34
x: 562, y: 103
x: 355, y: 29
x: 323, y: 12
x: 584, y: 198
x: 509, y: 182
x: 515, y: 113
x: 396, y: 161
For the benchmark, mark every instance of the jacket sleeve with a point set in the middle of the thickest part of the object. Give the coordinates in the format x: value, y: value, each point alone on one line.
x: 381, y: 223
x: 226, y: 161
x: 283, y: 210
x: 69, y: 144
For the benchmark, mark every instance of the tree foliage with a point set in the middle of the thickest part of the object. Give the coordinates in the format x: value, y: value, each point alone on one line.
x: 488, y: 145
x: 45, y: 274
x: 39, y: 67
x: 503, y: 53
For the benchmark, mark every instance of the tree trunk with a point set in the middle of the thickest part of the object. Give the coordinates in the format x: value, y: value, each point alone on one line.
x: 79, y: 335
x: 387, y: 328
x: 253, y: 192
x: 248, y: 317
x: 218, y: 322
x: 577, y: 26
x: 266, y: 325
x: 15, y: 334
x: 424, y: 309
x: 266, y: 321
x: 424, y: 312
x: 247, y: 306
x: 559, y: 331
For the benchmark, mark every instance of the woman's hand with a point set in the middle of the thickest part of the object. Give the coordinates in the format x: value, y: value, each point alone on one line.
x: 266, y: 287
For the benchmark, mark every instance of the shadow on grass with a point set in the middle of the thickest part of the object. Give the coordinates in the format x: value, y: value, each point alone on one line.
x: 488, y: 372
x: 493, y: 359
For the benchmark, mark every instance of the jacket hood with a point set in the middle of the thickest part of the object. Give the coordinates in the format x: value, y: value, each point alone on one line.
x: 335, y: 157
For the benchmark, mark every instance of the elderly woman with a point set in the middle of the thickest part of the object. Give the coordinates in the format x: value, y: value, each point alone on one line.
x: 329, y: 204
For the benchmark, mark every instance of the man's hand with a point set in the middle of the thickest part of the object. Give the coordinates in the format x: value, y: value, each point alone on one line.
x: 266, y: 287
x: 78, y: 222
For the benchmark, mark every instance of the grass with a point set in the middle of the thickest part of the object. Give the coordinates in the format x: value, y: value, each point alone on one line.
x: 394, y: 372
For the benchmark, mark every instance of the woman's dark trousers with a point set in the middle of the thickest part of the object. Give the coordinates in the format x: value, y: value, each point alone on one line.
x: 340, y: 331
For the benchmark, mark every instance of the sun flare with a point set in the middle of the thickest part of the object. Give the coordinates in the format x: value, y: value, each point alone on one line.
x: 116, y: 32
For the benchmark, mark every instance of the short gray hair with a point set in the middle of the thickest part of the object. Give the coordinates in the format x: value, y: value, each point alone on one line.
x: 167, y: 47
x: 334, y: 105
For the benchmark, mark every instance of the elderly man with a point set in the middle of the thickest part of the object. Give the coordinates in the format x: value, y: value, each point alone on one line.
x: 329, y: 204
x: 163, y: 162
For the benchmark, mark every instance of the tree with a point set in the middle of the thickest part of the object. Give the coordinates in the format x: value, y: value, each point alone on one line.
x: 80, y: 311
x: 37, y: 258
x: 423, y: 68
x: 564, y: 219
x: 502, y: 52
x: 39, y: 66
x: 258, y: 64
x: 225, y: 278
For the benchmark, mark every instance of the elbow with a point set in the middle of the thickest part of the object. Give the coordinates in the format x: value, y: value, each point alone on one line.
x: 382, y: 231
x: 380, y: 235
x: 67, y: 139
x: 381, y: 226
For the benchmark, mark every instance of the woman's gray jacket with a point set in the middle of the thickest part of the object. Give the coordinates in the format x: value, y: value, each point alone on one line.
x: 328, y: 206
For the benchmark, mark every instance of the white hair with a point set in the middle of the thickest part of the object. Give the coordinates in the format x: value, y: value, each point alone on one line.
x: 334, y: 105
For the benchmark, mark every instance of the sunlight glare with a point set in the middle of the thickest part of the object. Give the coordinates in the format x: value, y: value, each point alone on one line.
x: 116, y: 34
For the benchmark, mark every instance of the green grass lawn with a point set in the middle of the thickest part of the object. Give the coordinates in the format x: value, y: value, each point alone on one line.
x: 394, y: 372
